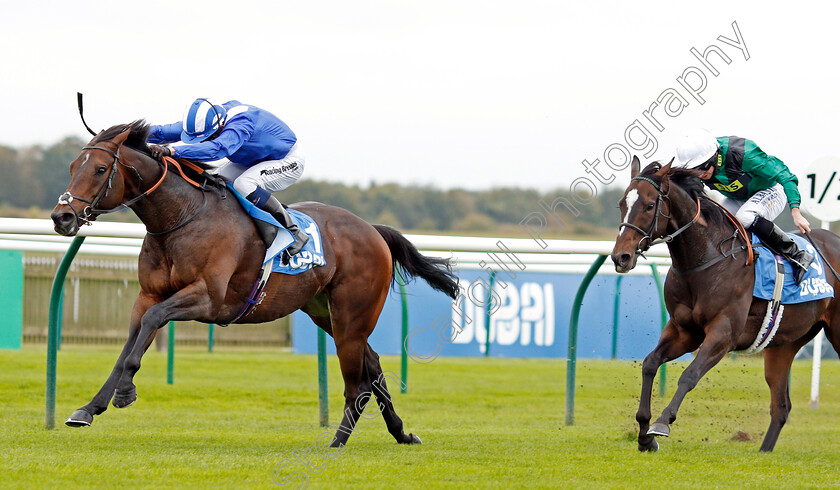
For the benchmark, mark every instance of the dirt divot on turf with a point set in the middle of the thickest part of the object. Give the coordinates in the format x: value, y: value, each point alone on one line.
x: 741, y: 436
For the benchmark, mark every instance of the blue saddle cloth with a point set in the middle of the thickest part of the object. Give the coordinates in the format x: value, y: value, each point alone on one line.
x: 312, y: 254
x: 813, y: 286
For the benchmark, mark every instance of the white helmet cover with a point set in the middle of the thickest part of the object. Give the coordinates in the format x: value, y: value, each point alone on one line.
x: 695, y: 148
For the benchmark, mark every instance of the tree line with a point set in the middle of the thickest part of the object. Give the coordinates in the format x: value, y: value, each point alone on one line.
x: 33, y: 177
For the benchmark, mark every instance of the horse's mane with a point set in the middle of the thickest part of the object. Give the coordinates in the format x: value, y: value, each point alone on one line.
x: 689, y: 181
x: 139, y: 132
x: 136, y: 138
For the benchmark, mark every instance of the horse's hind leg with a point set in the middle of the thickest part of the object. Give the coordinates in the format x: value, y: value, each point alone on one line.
x: 777, y: 362
x: 672, y: 344
x: 383, y: 398
x: 353, y: 319
x: 832, y: 330
x: 357, y: 386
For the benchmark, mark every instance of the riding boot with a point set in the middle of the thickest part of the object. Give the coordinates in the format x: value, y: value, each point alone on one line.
x: 279, y: 212
x: 781, y: 243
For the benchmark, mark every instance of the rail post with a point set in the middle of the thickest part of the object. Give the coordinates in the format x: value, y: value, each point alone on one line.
x: 616, y: 316
x: 323, y: 392
x: 170, y: 355
x: 52, y: 331
x: 489, y: 312
x: 60, y: 320
x: 663, y: 311
x: 404, y: 336
x: 571, y: 359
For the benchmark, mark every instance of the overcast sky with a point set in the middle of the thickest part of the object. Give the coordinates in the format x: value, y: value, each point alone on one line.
x: 470, y: 94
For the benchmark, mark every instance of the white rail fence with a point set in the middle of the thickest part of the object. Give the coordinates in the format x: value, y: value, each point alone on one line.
x: 560, y: 256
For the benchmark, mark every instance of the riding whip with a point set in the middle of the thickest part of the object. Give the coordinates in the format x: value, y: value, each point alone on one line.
x: 82, y: 113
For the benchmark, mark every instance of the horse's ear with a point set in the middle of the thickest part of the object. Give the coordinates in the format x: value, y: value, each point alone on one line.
x: 120, y: 138
x: 635, y: 166
x: 665, y: 184
x: 664, y: 170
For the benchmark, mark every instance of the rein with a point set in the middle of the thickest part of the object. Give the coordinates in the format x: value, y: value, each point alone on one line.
x: 90, y: 212
x: 826, y: 262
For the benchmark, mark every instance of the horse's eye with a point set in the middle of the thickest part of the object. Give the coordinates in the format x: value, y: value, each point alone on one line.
x: 100, y: 170
x: 650, y: 205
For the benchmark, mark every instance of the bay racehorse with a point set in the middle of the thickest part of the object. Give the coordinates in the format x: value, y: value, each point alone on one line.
x: 201, y: 257
x: 709, y: 298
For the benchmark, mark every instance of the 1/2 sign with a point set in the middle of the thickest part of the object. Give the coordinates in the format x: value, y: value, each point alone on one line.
x: 821, y: 189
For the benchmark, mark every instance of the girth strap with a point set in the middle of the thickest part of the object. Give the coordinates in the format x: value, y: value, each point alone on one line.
x: 724, y: 255
x: 257, y: 295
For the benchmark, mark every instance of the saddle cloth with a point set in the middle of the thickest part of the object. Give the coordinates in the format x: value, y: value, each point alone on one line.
x: 312, y: 254
x: 813, y: 286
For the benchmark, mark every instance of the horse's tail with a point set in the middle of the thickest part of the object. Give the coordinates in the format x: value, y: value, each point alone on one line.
x: 436, y: 271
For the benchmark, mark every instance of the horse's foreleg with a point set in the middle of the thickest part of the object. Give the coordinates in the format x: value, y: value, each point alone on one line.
x: 716, y: 344
x: 187, y: 304
x: 383, y: 398
x: 672, y: 344
x: 99, y: 403
x: 777, y: 363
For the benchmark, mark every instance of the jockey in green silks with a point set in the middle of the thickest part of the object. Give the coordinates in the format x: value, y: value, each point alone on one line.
x: 757, y: 187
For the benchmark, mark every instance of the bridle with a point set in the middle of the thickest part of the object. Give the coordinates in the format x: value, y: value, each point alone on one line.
x: 647, y: 239
x: 90, y: 212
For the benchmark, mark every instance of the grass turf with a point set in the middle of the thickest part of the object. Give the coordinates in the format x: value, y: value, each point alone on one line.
x: 233, y: 418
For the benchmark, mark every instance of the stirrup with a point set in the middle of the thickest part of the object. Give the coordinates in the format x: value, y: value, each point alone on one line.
x: 302, y: 239
x: 285, y: 257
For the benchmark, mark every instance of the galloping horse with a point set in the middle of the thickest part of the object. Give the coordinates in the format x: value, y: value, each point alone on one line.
x: 201, y: 257
x: 709, y: 299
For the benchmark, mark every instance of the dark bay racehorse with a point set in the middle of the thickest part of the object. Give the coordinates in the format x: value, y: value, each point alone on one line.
x: 710, y: 300
x: 201, y: 257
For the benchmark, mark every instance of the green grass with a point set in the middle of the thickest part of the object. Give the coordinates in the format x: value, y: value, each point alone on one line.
x: 232, y: 416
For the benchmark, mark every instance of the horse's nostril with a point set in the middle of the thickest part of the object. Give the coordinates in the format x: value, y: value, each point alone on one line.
x: 63, y: 221
x: 624, y: 260
x: 62, y: 218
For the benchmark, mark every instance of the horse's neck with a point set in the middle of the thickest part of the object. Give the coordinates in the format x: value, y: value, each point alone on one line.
x: 698, y: 242
x: 172, y: 202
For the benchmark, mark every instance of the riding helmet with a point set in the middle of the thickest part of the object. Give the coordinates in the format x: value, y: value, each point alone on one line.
x: 696, y: 148
x: 201, y: 120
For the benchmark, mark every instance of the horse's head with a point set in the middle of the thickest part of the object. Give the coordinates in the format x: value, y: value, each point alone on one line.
x: 645, y: 211
x: 97, y: 180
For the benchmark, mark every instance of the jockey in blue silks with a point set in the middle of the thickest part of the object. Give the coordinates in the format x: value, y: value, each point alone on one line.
x: 247, y: 146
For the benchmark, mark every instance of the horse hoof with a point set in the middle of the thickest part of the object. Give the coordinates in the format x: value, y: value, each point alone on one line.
x: 412, y: 439
x: 650, y: 448
x: 80, y: 418
x: 659, y: 429
x: 123, y: 399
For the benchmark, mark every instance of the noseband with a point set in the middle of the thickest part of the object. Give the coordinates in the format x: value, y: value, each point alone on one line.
x: 647, y: 239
